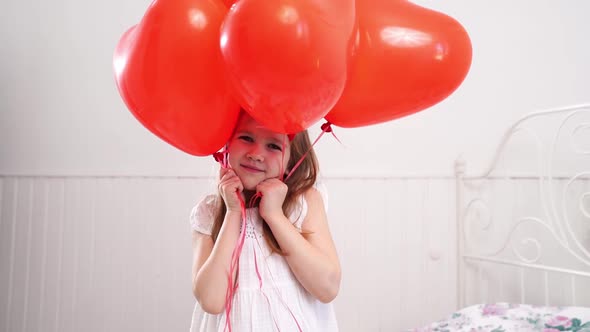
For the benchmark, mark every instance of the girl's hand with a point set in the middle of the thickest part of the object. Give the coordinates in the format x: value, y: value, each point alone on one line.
x: 273, y: 193
x: 230, y: 186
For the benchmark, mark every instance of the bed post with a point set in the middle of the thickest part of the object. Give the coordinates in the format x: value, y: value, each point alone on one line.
x: 459, y: 174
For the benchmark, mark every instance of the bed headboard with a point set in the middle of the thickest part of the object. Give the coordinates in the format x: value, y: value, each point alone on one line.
x: 524, y: 223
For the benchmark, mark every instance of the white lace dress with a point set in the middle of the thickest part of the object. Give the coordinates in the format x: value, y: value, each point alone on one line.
x: 282, y: 304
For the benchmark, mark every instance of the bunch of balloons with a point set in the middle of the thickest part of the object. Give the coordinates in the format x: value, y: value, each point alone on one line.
x: 189, y: 66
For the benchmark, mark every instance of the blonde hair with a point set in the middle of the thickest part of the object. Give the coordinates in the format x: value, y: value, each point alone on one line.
x: 302, y: 179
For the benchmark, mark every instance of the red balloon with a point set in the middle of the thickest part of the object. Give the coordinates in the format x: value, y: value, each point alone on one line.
x: 407, y: 58
x: 229, y: 3
x: 288, y: 59
x: 170, y: 73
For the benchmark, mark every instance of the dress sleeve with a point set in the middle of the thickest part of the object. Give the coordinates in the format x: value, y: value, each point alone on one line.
x: 321, y: 188
x: 298, y: 216
x: 201, y: 218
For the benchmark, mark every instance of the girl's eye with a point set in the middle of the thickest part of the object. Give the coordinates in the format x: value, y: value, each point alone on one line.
x: 275, y: 147
x: 246, y: 138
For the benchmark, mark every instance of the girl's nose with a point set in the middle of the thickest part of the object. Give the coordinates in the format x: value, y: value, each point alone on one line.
x: 255, y: 155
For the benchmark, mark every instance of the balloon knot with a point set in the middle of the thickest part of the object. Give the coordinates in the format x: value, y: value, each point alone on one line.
x: 220, y: 158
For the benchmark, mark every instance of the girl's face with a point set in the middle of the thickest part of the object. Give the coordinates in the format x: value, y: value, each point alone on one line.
x: 256, y: 153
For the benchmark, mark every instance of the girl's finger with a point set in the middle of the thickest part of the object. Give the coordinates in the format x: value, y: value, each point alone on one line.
x: 223, y: 171
x: 228, y: 175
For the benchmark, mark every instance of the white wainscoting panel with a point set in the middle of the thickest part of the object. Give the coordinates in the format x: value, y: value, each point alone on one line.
x: 113, y: 253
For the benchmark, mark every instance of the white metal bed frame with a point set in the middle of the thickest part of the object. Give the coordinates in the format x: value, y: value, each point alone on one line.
x: 555, y: 219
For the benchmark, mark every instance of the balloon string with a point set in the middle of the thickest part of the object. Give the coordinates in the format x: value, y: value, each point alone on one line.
x: 326, y: 128
x: 275, y: 288
x: 282, y: 172
x: 261, y: 290
x: 222, y: 158
x: 234, y: 266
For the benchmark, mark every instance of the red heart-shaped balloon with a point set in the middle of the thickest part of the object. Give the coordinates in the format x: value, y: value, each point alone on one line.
x: 229, y: 3
x: 288, y: 59
x: 170, y: 73
x: 407, y: 58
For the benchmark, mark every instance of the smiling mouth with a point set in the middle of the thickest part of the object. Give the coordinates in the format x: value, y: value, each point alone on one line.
x: 252, y: 169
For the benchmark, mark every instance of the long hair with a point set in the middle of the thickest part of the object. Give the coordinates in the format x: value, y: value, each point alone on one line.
x: 303, y: 178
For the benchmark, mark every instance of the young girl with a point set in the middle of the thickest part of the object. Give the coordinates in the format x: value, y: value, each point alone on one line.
x: 288, y: 271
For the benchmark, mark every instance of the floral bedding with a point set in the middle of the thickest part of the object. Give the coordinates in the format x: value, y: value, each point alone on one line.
x: 505, y: 317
